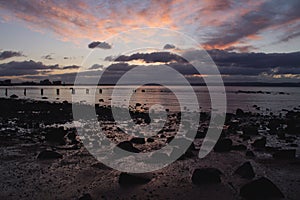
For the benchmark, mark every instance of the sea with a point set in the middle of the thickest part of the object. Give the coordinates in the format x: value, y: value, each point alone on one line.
x: 258, y: 99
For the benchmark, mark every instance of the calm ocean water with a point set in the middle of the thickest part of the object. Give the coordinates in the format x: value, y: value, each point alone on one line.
x: 268, y: 99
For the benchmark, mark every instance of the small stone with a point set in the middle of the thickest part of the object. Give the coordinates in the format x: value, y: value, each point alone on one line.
x: 13, y: 96
x: 260, y: 143
x: 245, y: 171
x: 47, y: 154
x: 127, y: 146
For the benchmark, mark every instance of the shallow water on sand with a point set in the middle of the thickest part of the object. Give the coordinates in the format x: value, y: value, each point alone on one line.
x: 258, y: 99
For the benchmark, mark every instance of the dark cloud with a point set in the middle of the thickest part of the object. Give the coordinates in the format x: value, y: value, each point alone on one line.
x: 110, y: 58
x: 169, y: 46
x: 47, y: 57
x: 9, y: 54
x: 164, y: 57
x: 229, y: 63
x: 71, y: 67
x: 291, y: 36
x: 96, y: 66
x: 242, y: 49
x: 232, y: 63
x: 255, y: 60
x: 25, y: 68
x: 101, y: 45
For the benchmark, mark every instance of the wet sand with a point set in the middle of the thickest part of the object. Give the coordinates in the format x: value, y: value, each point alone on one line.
x: 25, y: 133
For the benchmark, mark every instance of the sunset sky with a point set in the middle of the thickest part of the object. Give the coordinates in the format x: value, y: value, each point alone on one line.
x: 248, y: 40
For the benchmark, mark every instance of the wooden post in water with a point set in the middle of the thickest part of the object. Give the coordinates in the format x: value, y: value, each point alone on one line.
x: 6, y: 91
x: 57, y: 91
x: 24, y: 91
x: 72, y: 90
x: 42, y: 92
x: 87, y: 91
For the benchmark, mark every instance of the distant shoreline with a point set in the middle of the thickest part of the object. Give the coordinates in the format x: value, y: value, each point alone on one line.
x: 241, y: 84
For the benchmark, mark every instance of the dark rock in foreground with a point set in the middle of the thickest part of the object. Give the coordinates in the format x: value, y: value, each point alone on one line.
x: 126, y: 179
x: 206, y: 176
x: 223, y: 145
x: 285, y: 154
x: 47, y: 154
x: 245, y: 171
x: 260, y: 143
x: 261, y: 188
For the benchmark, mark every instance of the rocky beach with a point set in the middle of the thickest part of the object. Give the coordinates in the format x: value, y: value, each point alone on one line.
x: 42, y: 157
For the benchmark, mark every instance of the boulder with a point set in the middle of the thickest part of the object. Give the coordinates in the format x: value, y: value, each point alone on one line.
x: 47, y: 154
x: 223, y: 145
x: 126, y: 179
x: 285, y: 154
x: 245, y: 171
x: 206, y: 176
x: 261, y: 188
x: 260, y: 143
